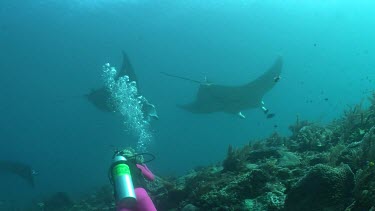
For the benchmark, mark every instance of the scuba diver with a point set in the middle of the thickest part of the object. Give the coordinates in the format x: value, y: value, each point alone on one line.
x: 127, y: 174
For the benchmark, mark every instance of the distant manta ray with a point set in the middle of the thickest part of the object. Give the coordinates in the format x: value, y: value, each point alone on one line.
x: 101, y: 97
x: 233, y: 99
x: 20, y: 169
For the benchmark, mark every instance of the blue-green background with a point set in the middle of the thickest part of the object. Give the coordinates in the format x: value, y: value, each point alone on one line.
x: 51, y: 54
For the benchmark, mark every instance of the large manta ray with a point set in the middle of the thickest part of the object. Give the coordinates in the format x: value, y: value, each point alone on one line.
x: 20, y: 169
x: 101, y: 97
x: 234, y: 99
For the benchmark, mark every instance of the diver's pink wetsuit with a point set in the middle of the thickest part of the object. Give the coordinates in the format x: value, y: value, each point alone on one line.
x: 144, y: 202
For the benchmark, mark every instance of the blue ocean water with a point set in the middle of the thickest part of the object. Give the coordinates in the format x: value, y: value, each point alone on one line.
x: 52, y: 53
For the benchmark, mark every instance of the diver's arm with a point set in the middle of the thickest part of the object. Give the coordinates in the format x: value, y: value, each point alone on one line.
x: 146, y: 172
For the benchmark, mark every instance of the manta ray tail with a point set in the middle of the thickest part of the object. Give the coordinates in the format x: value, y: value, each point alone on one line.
x: 183, y: 78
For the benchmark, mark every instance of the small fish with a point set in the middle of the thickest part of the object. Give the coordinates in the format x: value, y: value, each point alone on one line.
x: 269, y: 116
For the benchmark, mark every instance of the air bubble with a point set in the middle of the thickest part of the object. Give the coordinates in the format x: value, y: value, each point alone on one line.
x: 125, y: 97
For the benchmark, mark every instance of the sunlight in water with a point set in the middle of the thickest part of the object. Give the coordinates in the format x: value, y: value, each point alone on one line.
x: 124, y: 96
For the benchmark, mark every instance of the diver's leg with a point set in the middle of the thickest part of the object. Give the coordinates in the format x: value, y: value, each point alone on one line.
x: 144, y: 202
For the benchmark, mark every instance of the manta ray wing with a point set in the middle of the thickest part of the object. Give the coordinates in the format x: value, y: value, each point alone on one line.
x: 233, y: 99
x: 212, y: 98
x: 267, y: 81
x: 100, y: 98
x: 127, y: 69
x: 20, y: 169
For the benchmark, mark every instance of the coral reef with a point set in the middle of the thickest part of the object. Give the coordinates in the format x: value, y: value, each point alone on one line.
x: 316, y: 168
x: 323, y: 187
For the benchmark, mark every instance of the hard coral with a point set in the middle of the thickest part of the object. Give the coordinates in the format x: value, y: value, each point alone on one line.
x: 323, y: 187
x: 368, y: 145
x: 311, y: 138
x: 365, y: 189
